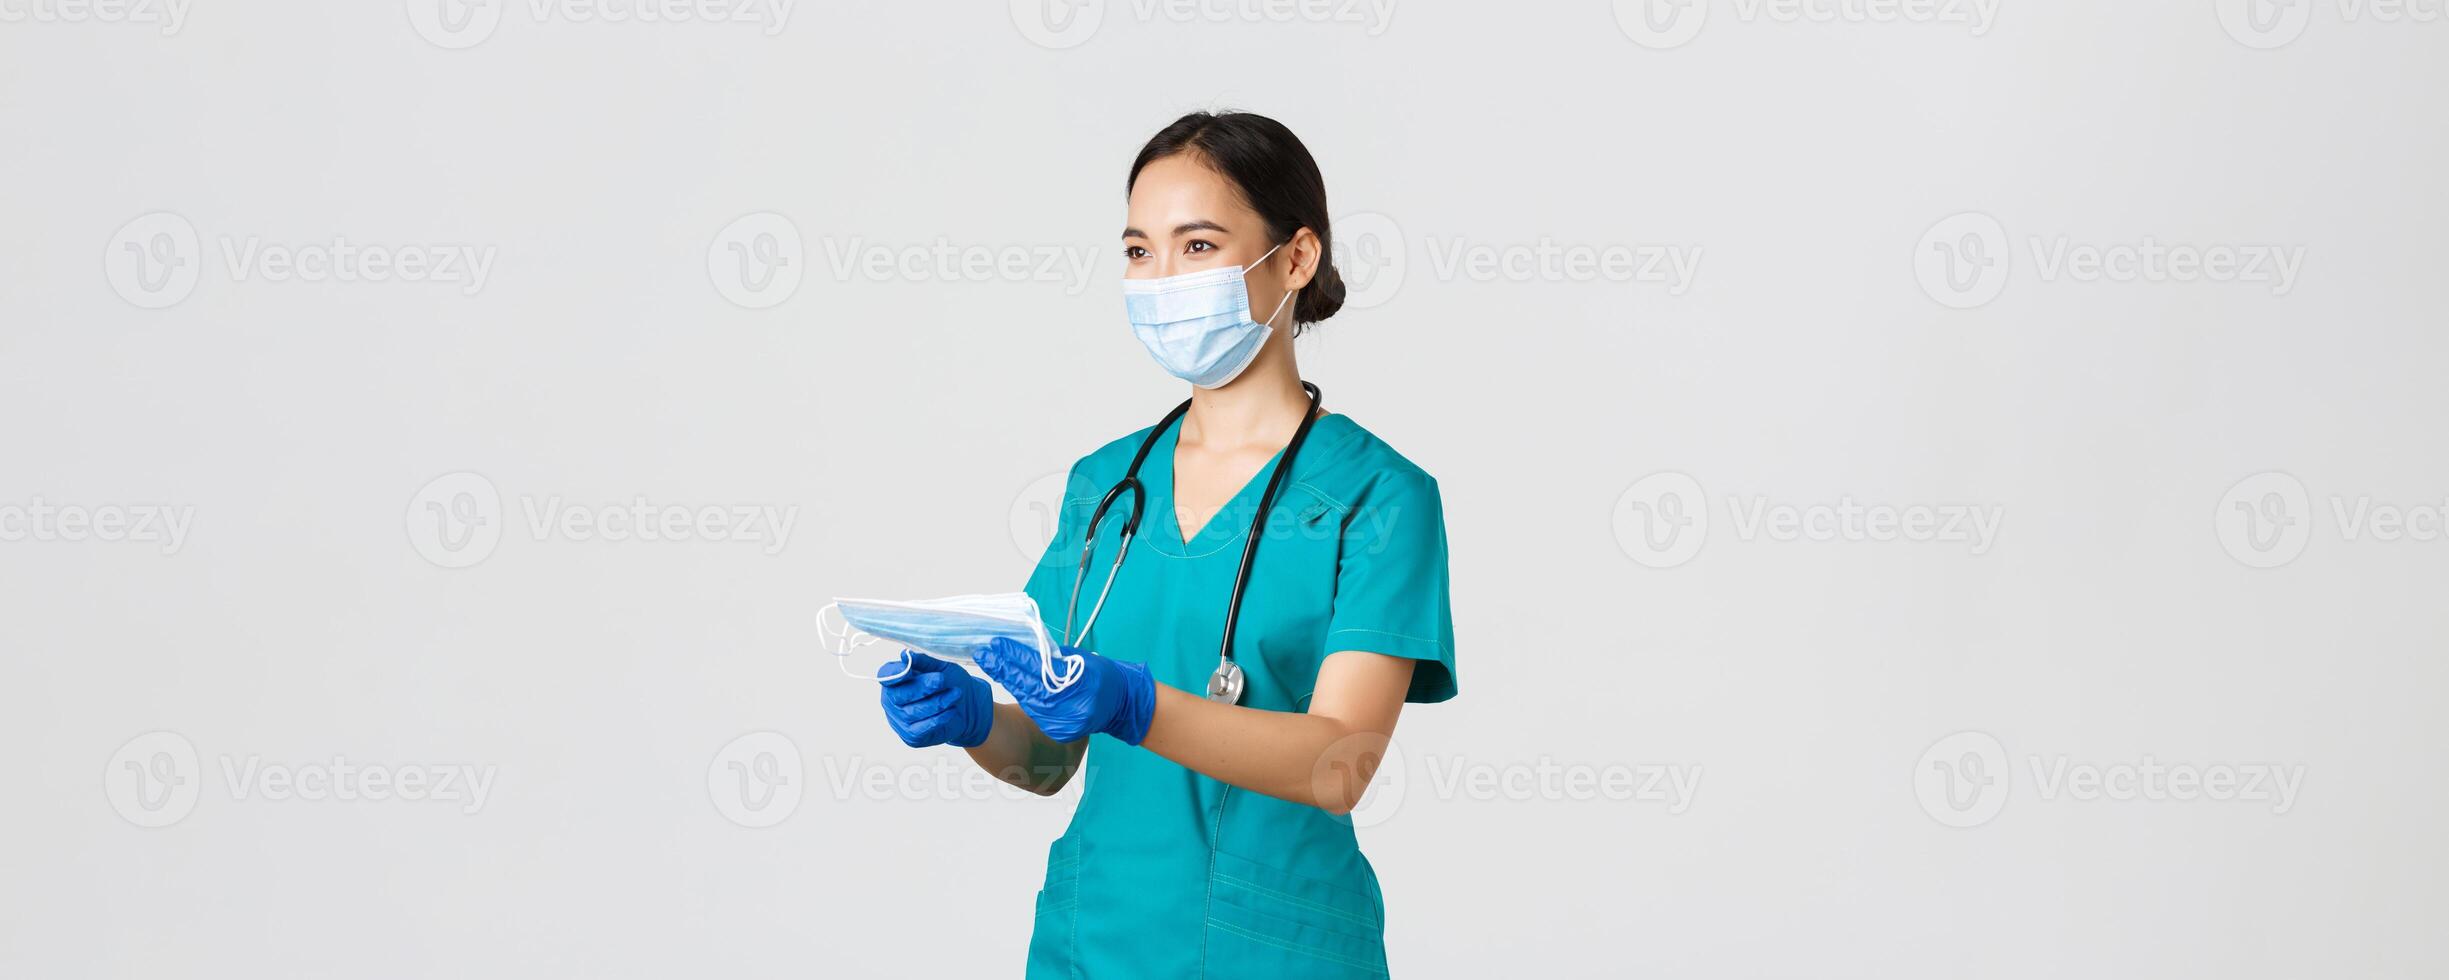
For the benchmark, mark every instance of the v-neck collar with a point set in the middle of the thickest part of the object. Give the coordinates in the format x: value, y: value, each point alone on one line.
x: 1231, y: 521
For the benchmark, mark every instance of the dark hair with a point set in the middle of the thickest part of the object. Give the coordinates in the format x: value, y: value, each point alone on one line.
x: 1276, y: 176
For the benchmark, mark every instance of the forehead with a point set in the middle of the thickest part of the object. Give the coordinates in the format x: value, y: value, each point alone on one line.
x: 1180, y: 188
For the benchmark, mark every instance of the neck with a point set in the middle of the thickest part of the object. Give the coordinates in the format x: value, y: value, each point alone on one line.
x: 1262, y: 407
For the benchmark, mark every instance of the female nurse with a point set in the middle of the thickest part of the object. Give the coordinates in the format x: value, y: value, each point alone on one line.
x: 1212, y: 838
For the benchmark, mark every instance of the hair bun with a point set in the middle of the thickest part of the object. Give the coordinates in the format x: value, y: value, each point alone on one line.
x: 1323, y: 296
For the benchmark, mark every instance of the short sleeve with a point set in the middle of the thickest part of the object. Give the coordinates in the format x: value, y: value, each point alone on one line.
x: 1050, y: 581
x: 1390, y: 583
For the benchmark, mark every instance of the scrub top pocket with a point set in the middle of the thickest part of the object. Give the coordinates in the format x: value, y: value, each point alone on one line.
x: 1052, y: 941
x: 1278, y: 924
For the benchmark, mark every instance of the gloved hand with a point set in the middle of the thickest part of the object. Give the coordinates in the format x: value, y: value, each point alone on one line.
x: 1116, y: 697
x: 937, y: 702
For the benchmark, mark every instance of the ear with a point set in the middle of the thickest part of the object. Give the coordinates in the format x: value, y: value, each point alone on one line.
x: 1304, y: 254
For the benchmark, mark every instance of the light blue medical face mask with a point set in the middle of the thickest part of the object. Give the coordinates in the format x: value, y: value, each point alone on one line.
x: 953, y: 629
x: 1197, y: 325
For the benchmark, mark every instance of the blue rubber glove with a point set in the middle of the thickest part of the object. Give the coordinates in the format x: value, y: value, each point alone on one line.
x: 1116, y: 697
x: 937, y: 702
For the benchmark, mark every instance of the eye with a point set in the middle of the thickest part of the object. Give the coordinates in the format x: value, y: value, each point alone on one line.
x: 1134, y: 252
x: 1198, y: 245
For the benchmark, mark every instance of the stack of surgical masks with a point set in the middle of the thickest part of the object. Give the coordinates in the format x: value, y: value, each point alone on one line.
x: 953, y: 628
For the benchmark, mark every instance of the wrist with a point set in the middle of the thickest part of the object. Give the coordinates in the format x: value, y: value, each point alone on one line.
x: 1138, y: 707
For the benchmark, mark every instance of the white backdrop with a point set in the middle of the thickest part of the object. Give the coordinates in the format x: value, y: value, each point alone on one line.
x: 1936, y: 489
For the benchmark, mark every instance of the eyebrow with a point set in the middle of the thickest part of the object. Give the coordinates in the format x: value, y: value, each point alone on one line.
x: 1182, y: 229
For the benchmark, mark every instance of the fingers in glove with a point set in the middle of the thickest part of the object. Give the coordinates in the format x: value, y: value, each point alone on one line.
x: 1011, y: 663
x: 928, y: 707
x: 917, y: 686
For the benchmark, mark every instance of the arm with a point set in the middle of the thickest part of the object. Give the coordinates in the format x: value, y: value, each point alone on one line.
x: 1324, y: 758
x: 1016, y: 752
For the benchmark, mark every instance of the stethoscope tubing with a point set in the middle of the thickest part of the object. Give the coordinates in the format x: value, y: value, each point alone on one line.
x: 1139, y: 495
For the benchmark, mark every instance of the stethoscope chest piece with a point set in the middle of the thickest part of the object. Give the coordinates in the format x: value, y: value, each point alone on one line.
x: 1225, y: 685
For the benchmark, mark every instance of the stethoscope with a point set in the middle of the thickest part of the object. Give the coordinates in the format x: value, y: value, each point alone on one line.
x: 1225, y: 685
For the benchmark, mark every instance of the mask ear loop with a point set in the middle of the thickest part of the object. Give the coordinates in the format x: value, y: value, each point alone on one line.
x: 1271, y: 318
x: 1270, y: 322
x: 841, y: 644
x: 1048, y: 654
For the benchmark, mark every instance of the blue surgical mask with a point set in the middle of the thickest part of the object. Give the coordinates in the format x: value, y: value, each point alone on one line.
x: 1197, y: 325
x: 953, y: 629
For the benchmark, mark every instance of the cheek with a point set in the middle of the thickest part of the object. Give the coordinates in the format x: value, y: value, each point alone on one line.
x: 1266, y: 290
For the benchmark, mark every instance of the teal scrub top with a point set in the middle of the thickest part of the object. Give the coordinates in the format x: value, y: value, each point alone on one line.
x: 1168, y: 873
